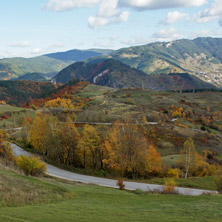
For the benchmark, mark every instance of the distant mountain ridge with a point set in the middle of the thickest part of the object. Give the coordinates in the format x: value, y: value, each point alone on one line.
x: 201, y: 55
x: 77, y: 55
x: 116, y: 74
x: 48, y: 64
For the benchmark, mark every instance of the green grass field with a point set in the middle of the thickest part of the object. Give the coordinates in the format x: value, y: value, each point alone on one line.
x: 67, y: 201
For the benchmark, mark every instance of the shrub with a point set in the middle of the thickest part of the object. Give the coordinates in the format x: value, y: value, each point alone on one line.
x: 31, y: 165
x: 173, y: 173
x: 170, y: 186
x: 6, y: 152
x: 120, y: 184
x: 4, y: 117
x: 218, y: 182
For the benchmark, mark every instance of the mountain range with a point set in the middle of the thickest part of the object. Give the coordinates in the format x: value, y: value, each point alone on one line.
x: 201, y: 57
x: 116, y: 74
x: 49, y: 64
x: 198, y: 55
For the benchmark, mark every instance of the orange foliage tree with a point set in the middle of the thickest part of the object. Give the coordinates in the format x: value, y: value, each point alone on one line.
x: 127, y: 151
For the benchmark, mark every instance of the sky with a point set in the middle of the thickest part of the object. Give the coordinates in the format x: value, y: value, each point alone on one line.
x: 34, y: 27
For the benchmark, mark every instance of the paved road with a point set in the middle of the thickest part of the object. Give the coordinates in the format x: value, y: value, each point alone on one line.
x: 56, y: 172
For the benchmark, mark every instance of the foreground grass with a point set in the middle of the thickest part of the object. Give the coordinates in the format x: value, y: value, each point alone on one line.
x: 20, y: 190
x: 94, y: 203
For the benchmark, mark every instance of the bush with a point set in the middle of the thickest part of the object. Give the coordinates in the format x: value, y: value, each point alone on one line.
x: 218, y: 182
x: 4, y: 117
x: 120, y: 184
x: 173, y: 173
x: 31, y: 165
x: 170, y: 186
x: 6, y: 152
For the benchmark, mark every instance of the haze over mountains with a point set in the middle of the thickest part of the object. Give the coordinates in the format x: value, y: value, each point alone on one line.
x: 201, y: 57
x: 47, y: 64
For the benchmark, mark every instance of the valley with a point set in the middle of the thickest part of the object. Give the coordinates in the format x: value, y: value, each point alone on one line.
x: 123, y: 119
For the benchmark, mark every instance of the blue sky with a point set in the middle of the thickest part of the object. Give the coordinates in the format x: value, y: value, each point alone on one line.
x: 31, y: 28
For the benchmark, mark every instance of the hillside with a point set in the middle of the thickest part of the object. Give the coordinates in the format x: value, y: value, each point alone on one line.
x: 20, y: 92
x: 33, y: 77
x: 115, y: 74
x: 15, y: 67
x: 194, y: 56
x: 48, y: 64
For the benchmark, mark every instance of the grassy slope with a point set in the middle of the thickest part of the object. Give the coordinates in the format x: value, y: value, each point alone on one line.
x: 94, y: 203
x: 14, y: 114
x: 110, y: 105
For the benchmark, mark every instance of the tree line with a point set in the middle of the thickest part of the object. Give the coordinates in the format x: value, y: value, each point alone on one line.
x: 122, y: 149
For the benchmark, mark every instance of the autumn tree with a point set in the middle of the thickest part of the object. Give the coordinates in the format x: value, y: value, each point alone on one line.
x: 127, y: 150
x: 188, y: 157
x: 25, y: 131
x: 189, y: 150
x: 68, y: 143
x: 60, y: 102
x: 6, y: 151
x: 89, y: 146
x: 55, y: 139
x: 153, y: 165
x: 43, y: 134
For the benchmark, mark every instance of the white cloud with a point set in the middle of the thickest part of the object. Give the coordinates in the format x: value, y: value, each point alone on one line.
x: 165, y: 35
x: 97, y: 22
x: 108, y: 13
x: 173, y: 17
x: 160, y: 4
x: 122, y: 17
x: 220, y: 22
x: 111, y: 11
x: 108, y: 8
x: 63, y: 5
x: 35, y: 51
x: 212, y: 13
x: 23, y: 44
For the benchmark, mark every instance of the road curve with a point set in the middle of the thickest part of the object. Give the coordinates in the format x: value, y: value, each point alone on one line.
x: 59, y: 173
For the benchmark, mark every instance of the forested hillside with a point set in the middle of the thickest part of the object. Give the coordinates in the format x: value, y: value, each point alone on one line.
x: 116, y: 74
x: 20, y: 92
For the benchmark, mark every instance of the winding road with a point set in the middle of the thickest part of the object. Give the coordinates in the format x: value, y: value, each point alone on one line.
x: 59, y: 173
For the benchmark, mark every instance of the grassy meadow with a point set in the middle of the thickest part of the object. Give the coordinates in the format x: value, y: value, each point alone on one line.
x: 48, y: 199
x: 14, y: 114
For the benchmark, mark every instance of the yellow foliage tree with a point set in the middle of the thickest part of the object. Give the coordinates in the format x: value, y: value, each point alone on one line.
x: 68, y: 143
x: 89, y: 146
x: 60, y: 102
x: 5, y: 149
